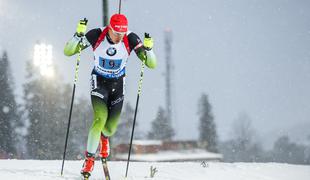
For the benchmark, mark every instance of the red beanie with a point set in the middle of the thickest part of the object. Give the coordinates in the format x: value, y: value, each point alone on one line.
x: 119, y: 23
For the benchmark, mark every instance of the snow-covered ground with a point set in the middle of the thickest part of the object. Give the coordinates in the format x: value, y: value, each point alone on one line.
x: 43, y: 170
x: 168, y: 156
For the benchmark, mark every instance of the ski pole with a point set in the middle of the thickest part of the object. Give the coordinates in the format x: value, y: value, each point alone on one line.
x: 72, y: 100
x: 134, y: 119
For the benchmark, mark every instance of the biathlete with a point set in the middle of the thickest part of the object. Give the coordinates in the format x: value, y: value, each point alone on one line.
x: 112, y: 46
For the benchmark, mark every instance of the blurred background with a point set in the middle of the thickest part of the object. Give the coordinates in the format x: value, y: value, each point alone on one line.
x: 232, y: 79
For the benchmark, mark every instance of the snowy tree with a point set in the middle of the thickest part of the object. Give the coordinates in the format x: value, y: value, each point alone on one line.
x: 161, y: 128
x: 9, y: 117
x: 243, y: 131
x: 285, y: 151
x: 207, y: 127
x: 244, y: 145
x: 47, y: 104
x: 46, y: 107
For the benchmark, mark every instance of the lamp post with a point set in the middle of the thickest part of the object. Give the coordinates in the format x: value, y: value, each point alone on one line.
x: 42, y: 59
x: 105, y: 13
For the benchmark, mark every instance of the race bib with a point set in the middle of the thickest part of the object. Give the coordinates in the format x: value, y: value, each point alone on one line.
x: 110, y: 64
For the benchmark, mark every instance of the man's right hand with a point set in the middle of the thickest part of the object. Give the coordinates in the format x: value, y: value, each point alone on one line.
x: 81, y: 27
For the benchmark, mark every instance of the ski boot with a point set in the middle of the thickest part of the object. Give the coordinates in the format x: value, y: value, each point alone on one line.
x: 88, y: 165
x: 104, y: 147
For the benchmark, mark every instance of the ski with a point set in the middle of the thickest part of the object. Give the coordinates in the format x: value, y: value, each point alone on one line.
x: 105, y: 168
x: 85, y: 176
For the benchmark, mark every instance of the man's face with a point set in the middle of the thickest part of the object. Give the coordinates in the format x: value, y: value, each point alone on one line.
x: 116, y: 36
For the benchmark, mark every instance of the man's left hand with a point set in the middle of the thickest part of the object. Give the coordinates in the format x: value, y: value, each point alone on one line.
x: 148, y: 41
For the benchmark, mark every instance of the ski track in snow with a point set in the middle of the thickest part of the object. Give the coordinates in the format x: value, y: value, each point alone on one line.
x: 48, y: 170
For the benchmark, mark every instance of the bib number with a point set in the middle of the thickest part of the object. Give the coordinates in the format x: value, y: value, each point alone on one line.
x: 110, y: 64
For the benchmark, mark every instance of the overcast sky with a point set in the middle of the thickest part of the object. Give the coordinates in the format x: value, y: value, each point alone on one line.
x: 249, y: 56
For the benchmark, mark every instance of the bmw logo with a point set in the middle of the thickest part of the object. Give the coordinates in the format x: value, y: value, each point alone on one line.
x: 111, y: 51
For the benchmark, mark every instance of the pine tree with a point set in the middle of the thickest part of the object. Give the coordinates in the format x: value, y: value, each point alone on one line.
x: 46, y: 107
x: 207, y: 127
x: 161, y: 128
x: 243, y: 131
x: 9, y: 117
x: 286, y: 151
x: 244, y: 145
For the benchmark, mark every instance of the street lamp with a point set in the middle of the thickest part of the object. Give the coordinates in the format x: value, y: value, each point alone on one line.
x: 42, y: 59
